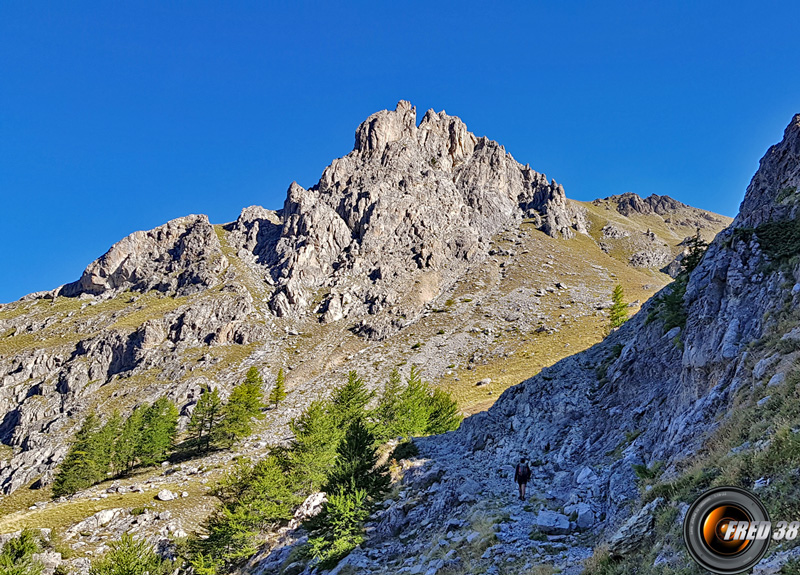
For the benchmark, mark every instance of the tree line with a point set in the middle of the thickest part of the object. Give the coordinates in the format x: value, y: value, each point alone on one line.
x: 148, y: 435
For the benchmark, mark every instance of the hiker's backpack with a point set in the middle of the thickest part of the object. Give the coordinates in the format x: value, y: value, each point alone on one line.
x: 523, y: 472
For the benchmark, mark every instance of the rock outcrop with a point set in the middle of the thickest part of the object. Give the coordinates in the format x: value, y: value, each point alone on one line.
x: 181, y: 257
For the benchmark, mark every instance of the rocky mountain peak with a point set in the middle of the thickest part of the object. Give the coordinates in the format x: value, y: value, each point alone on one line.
x: 386, y: 126
x: 393, y: 223
x: 772, y: 193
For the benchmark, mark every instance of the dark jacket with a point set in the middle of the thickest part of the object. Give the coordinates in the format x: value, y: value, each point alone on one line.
x: 522, y: 473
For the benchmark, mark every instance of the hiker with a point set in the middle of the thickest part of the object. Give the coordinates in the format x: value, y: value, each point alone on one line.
x: 521, y: 475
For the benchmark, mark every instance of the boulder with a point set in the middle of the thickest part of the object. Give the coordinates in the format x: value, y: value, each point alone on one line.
x: 552, y: 523
x: 166, y: 495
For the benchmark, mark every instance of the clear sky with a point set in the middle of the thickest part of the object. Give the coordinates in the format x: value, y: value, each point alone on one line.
x: 118, y: 116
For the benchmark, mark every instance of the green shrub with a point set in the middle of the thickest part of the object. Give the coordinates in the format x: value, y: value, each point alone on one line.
x: 338, y: 529
x: 16, y: 557
x: 131, y: 557
x: 780, y: 240
x: 785, y: 193
x: 648, y: 473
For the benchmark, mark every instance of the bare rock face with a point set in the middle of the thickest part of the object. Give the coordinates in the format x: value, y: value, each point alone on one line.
x: 395, y: 221
x: 772, y: 193
x: 183, y: 256
x: 630, y: 203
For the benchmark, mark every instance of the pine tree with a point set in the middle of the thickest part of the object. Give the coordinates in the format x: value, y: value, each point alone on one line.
x: 16, y: 556
x: 386, y: 412
x: 253, y: 497
x: 83, y: 465
x: 696, y: 247
x: 350, y: 401
x: 414, y: 408
x: 278, y: 393
x: 444, y: 413
x: 313, y: 449
x: 126, y: 447
x: 245, y: 404
x: 356, y: 464
x: 353, y: 485
x: 106, y: 438
x: 159, y: 427
x: 618, y: 313
x: 339, y: 528
x: 205, y: 419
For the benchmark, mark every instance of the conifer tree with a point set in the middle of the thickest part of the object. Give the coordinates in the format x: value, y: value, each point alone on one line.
x: 253, y: 497
x: 353, y: 485
x: 159, y: 427
x: 245, y: 404
x: 107, y: 436
x: 129, y: 556
x: 388, y: 405
x: 126, y: 447
x: 350, y: 401
x: 17, y: 555
x: 205, y: 419
x: 356, y: 464
x: 82, y: 467
x: 412, y: 413
x: 278, y: 393
x: 618, y: 313
x: 313, y: 449
x: 444, y: 414
x: 696, y: 247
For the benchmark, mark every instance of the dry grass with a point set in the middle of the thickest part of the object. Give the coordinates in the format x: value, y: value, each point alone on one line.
x: 151, y: 305
x: 15, y: 515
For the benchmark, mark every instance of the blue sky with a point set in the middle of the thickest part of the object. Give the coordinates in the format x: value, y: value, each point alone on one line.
x: 120, y: 116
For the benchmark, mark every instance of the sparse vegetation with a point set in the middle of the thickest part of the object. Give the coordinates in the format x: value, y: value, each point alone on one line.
x: 278, y: 392
x: 670, y: 307
x: 618, y: 313
x: 780, y: 240
x: 129, y: 556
